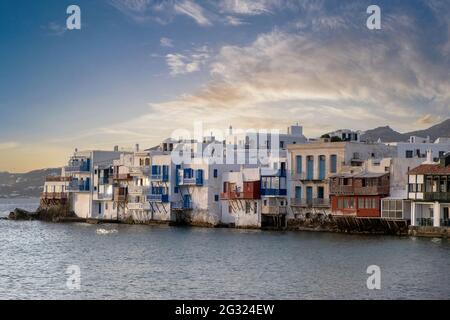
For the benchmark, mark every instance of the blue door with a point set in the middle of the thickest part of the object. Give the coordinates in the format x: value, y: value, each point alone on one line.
x: 186, y: 201
x: 322, y: 167
x: 310, y: 168
x: 309, y: 194
x: 298, y: 192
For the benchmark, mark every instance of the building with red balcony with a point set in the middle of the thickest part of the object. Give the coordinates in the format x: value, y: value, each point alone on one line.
x: 358, y: 193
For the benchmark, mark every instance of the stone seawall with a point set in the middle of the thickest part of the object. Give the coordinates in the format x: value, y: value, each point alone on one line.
x: 432, y: 232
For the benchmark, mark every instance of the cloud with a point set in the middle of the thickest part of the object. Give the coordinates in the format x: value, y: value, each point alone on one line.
x: 142, y: 11
x: 166, y: 42
x: 55, y: 29
x: 8, y: 145
x: 248, y: 7
x: 233, y: 21
x: 428, y: 119
x: 193, y: 11
x: 334, y: 73
x: 189, y: 62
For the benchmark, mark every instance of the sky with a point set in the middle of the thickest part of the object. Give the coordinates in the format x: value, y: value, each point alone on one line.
x: 140, y: 69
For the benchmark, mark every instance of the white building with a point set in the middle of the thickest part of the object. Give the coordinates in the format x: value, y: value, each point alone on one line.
x: 85, y: 185
x: 429, y: 191
x: 417, y: 147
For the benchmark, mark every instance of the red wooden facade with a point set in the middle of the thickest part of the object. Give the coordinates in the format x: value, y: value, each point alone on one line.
x: 251, y: 190
x: 359, y: 194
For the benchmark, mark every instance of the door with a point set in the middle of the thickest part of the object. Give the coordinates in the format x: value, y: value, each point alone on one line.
x: 322, y: 167
x: 446, y: 222
x: 310, y: 168
x: 298, y: 192
x: 309, y: 195
x: 187, y: 201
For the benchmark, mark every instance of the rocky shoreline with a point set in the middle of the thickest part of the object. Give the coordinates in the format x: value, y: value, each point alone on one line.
x: 51, y: 214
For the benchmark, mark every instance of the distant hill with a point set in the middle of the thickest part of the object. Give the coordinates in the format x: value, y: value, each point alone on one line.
x: 440, y: 130
x: 387, y: 134
x: 30, y: 184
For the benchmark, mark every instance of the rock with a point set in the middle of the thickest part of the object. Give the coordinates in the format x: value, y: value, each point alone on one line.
x: 20, y: 214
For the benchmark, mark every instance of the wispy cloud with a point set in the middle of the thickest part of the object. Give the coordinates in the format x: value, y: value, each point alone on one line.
x: 8, y: 145
x: 247, y: 7
x: 166, y: 42
x: 54, y: 29
x: 327, y: 77
x: 188, y: 62
x: 192, y: 10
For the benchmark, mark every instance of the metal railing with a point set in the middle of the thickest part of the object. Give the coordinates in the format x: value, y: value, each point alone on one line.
x: 315, y: 202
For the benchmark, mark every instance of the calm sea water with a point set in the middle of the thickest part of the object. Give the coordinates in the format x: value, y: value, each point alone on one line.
x: 146, y: 262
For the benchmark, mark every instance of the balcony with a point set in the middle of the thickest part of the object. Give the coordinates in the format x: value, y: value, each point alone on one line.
x: 54, y: 195
x: 437, y: 196
x: 159, y: 177
x: 162, y: 198
x: 273, y: 210
x: 84, y: 167
x: 76, y: 186
x: 355, y: 190
x: 140, y: 170
x: 180, y: 205
x: 121, y: 176
x: 190, y: 181
x: 120, y: 194
x: 273, y: 192
x: 309, y: 203
x: 304, y: 176
x: 137, y: 190
x: 138, y: 206
x: 104, y: 196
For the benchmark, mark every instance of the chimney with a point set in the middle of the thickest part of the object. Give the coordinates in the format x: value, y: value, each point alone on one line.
x: 429, y: 157
x: 116, y: 148
x: 137, y: 147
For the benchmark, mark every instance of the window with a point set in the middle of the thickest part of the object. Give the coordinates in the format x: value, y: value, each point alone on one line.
x: 106, y: 206
x: 361, y: 204
x: 215, y: 173
x: 392, y: 209
x: 265, y: 203
x: 298, y: 163
x: 310, y: 167
x: 340, y: 203
x: 333, y: 163
x: 216, y: 197
x: 175, y: 190
x: 409, y: 154
x: 320, y: 192
x: 255, y: 208
x: 281, y: 144
x: 322, y: 167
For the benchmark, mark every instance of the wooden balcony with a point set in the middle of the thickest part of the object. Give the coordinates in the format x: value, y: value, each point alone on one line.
x: 121, y: 176
x: 54, y: 195
x: 359, y: 191
x: 120, y: 194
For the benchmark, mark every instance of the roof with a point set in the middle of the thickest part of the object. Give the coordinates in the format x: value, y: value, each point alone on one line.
x: 430, y: 169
